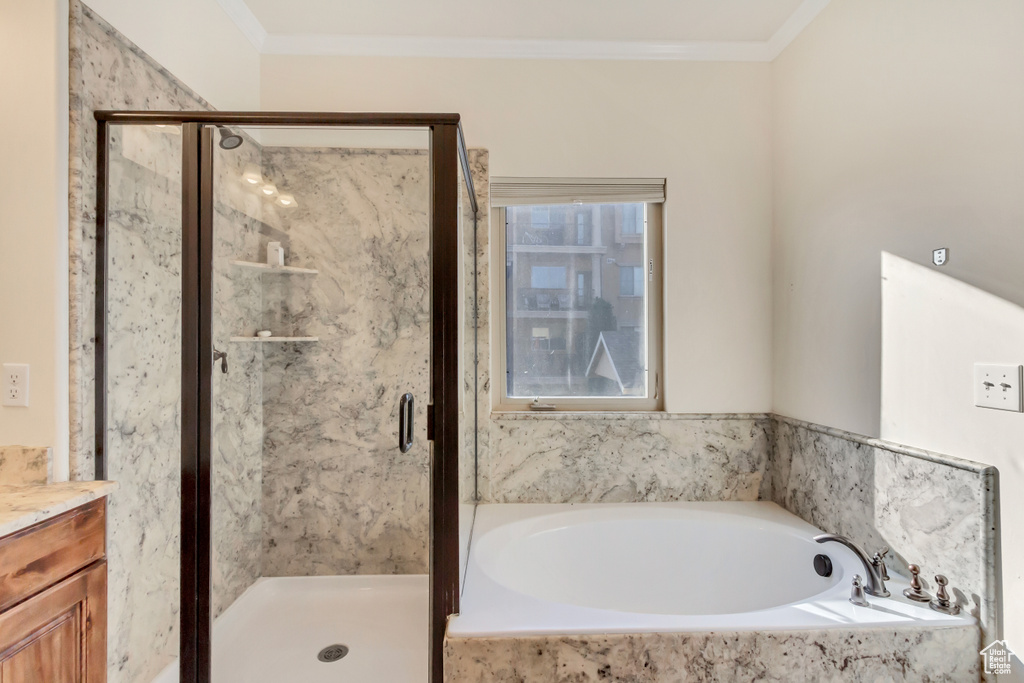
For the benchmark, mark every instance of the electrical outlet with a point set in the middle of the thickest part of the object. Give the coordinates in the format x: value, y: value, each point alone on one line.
x: 997, y: 386
x: 940, y: 256
x: 15, y: 392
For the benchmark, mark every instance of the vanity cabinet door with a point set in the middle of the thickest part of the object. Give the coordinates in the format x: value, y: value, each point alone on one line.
x: 58, y: 636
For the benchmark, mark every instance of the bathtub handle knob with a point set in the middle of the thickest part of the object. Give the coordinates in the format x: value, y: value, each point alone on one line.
x: 857, y: 593
x: 942, y: 603
x: 916, y: 592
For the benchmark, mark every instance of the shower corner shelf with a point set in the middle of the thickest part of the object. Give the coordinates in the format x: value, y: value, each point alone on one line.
x: 275, y: 339
x: 294, y: 270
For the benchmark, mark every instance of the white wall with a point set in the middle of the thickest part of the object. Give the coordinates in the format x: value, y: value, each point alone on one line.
x: 934, y: 329
x: 33, y: 223
x: 898, y: 126
x: 703, y: 126
x: 196, y: 41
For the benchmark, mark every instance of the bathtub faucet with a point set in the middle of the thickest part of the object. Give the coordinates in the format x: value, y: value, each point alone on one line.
x: 876, y: 584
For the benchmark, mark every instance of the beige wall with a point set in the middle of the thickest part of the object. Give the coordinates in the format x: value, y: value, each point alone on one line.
x: 703, y: 126
x: 934, y: 329
x: 196, y: 41
x: 897, y: 127
x: 33, y: 223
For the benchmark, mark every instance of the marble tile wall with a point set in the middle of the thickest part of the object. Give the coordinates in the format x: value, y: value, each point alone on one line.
x: 615, y: 457
x: 338, y: 496
x: 936, y: 511
x: 26, y: 465
x: 910, y: 654
x: 108, y: 72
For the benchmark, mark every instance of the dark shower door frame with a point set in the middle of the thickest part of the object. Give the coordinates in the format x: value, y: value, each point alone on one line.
x: 447, y: 152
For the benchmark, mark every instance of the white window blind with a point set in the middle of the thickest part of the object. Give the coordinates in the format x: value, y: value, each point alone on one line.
x: 534, y: 191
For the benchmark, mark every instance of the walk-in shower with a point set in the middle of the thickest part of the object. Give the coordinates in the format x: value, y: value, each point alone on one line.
x: 282, y: 341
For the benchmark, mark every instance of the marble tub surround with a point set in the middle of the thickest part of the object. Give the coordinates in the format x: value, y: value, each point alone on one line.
x: 23, y: 505
x: 338, y: 496
x: 935, y: 511
x: 905, y: 654
x: 624, y: 457
x: 26, y: 465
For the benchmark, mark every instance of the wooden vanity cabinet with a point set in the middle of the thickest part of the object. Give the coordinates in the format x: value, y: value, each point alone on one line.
x: 53, y: 600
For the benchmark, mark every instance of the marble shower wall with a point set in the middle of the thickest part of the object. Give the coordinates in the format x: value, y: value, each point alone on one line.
x: 26, y: 465
x: 144, y: 349
x: 932, y: 510
x: 338, y: 496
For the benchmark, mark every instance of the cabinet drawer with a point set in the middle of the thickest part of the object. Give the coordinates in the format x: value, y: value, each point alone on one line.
x: 37, y: 557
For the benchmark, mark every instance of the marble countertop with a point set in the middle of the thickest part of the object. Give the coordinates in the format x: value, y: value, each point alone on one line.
x: 22, y: 506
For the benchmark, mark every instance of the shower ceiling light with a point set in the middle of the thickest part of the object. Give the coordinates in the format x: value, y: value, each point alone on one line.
x: 252, y: 175
x: 287, y: 201
x: 268, y: 190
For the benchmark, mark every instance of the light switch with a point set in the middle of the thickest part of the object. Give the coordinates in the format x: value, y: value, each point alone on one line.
x: 997, y: 386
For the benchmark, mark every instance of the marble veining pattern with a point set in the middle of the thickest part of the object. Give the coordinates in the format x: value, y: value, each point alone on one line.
x: 338, y: 496
x: 144, y: 347
x: 21, y: 506
x: 614, y: 458
x: 815, y: 656
x: 26, y: 465
x: 938, y: 515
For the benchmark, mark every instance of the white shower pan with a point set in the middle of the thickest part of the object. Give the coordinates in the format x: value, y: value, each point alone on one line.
x: 276, y: 629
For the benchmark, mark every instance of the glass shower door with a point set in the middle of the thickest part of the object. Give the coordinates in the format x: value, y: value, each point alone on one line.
x: 140, y: 412
x: 321, y: 309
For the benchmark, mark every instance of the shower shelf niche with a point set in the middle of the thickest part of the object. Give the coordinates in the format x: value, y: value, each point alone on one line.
x: 290, y: 270
x: 275, y: 339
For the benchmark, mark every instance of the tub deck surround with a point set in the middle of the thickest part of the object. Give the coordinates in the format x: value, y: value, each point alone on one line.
x: 21, y: 506
x: 624, y: 457
x: 935, y: 511
x: 26, y: 465
x: 943, y: 654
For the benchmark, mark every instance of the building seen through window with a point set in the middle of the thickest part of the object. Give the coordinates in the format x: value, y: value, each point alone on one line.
x: 576, y: 314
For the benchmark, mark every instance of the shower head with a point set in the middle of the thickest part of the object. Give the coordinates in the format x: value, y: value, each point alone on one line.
x: 228, y: 139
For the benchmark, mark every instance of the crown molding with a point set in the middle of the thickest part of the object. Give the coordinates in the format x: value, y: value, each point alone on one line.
x: 500, y: 48
x: 246, y: 22
x: 794, y: 26
x: 493, y: 48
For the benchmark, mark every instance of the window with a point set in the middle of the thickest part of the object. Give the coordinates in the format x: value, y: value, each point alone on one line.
x: 547, y: 277
x: 582, y: 324
x: 632, y: 219
x: 631, y: 281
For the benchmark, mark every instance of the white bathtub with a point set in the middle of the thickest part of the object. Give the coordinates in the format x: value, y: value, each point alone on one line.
x: 662, y: 567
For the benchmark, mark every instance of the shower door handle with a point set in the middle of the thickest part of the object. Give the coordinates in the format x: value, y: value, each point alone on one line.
x: 405, y: 413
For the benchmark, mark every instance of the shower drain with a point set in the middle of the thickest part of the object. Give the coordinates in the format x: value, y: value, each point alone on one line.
x: 332, y: 653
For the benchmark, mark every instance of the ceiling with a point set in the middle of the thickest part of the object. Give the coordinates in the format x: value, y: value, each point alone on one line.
x: 747, y: 30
